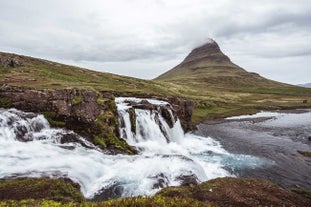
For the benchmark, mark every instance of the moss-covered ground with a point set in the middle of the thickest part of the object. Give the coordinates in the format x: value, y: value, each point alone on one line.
x: 34, y: 192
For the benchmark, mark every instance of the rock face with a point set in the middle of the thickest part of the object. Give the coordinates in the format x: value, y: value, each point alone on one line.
x: 183, y: 109
x: 8, y: 61
x: 90, y: 114
x: 65, y: 103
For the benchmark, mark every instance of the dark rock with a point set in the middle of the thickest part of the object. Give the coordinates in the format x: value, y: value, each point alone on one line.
x: 144, y: 104
x: 20, y: 133
x: 309, y: 138
x: 161, y: 181
x: 188, y: 180
x: 165, y: 113
x: 111, y: 192
x: 132, y: 119
x: 183, y: 108
x: 8, y: 61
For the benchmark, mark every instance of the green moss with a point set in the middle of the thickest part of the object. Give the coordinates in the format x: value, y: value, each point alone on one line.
x: 153, y: 201
x: 76, y: 100
x: 52, y: 119
x: 302, y: 192
x: 40, y: 188
x: 5, y: 102
x: 304, y: 153
x: 100, y: 141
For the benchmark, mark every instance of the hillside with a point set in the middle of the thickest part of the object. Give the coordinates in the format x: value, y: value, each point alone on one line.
x: 18, y: 70
x: 222, y: 88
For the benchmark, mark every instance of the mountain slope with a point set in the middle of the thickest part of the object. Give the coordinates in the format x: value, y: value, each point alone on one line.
x: 207, y: 66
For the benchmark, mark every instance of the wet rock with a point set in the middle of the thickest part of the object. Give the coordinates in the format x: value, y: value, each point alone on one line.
x: 165, y: 113
x: 111, y: 192
x: 161, y: 181
x: 145, y: 105
x: 188, y: 180
x: 183, y: 108
x: 20, y: 132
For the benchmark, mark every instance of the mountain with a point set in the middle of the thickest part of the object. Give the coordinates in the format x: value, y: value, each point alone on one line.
x: 221, y: 88
x: 208, y: 66
x: 306, y: 85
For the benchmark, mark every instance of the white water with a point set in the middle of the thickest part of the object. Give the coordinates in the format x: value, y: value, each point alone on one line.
x: 40, y: 151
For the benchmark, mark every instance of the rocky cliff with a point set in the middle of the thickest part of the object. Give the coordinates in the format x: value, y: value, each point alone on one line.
x: 90, y: 113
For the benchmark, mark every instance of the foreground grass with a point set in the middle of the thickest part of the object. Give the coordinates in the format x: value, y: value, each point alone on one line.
x: 154, y: 201
x: 35, y: 192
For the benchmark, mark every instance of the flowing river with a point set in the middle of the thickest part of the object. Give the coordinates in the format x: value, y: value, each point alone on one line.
x: 275, y: 136
x: 29, y: 147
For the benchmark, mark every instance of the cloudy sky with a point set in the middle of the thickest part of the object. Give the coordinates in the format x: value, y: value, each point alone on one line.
x: 144, y: 38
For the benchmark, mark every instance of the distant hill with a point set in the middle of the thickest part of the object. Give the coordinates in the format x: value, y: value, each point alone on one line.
x: 208, y: 66
x: 19, y: 70
x: 306, y: 85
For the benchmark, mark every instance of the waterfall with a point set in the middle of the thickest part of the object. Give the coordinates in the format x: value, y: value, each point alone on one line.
x: 29, y: 147
x: 150, y: 124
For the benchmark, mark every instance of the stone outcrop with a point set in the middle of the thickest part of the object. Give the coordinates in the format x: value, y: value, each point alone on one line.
x: 183, y: 109
x: 10, y: 61
x: 92, y: 115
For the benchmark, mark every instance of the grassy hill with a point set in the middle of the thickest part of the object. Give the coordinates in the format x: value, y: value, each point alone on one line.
x: 218, y: 87
x: 32, y: 72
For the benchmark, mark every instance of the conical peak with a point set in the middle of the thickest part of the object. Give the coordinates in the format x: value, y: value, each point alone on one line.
x: 210, y: 51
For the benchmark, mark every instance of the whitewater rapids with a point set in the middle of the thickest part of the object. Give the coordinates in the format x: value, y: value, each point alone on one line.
x: 29, y: 147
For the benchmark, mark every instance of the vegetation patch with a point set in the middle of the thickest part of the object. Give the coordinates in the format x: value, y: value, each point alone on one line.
x: 5, y: 102
x: 76, y: 100
x: 304, y: 153
x: 52, y: 119
x: 238, y: 192
x: 302, y: 192
x: 40, y: 188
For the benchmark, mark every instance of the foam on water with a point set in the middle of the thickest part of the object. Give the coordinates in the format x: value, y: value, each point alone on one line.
x: 29, y: 147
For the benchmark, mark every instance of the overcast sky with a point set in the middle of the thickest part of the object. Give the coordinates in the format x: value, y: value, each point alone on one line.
x: 144, y: 38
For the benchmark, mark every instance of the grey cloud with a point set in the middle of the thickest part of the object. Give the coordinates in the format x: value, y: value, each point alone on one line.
x: 124, y: 34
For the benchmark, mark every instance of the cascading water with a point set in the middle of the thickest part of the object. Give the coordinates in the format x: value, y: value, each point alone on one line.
x: 167, y: 157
